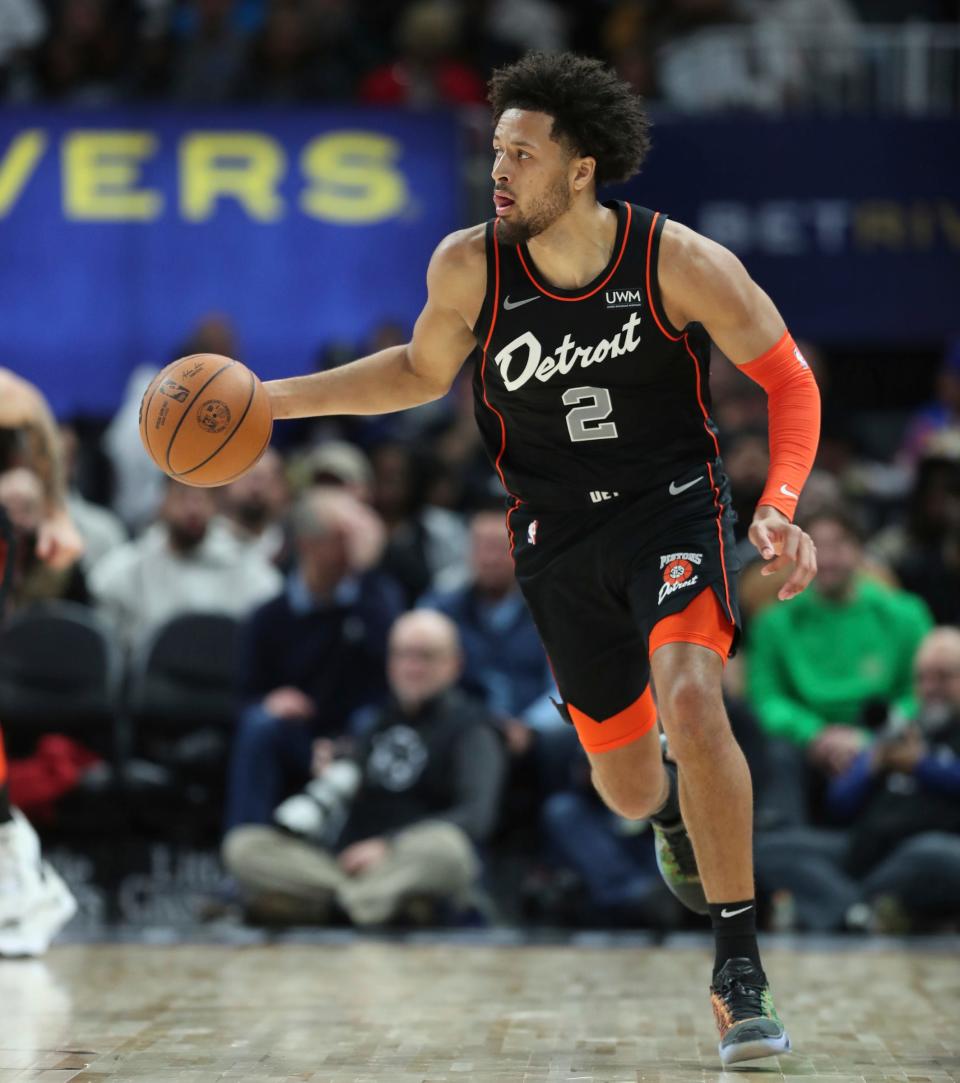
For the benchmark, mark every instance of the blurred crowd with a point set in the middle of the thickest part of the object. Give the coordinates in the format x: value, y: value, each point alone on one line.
x: 688, y: 54
x: 390, y: 749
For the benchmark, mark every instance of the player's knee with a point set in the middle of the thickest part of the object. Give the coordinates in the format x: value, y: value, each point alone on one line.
x: 634, y: 796
x: 693, y: 715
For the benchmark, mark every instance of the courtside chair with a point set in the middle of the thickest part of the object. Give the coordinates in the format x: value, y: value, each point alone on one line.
x: 181, y: 710
x: 61, y: 673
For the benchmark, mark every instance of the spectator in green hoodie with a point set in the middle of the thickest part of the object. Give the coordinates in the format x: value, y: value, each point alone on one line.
x: 815, y: 664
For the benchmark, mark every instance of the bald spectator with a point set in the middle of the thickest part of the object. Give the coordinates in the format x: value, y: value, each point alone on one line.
x: 312, y: 656
x: 399, y: 819
x: 188, y: 561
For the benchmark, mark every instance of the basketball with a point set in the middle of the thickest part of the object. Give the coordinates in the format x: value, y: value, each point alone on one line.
x: 205, y: 419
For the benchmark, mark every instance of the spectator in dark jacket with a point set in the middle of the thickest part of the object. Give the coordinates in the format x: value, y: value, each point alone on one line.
x: 310, y: 657
x: 396, y: 820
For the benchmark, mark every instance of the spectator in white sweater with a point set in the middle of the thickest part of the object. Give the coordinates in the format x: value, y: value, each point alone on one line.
x: 187, y: 561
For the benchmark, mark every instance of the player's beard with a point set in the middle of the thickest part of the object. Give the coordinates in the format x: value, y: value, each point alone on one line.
x: 553, y: 204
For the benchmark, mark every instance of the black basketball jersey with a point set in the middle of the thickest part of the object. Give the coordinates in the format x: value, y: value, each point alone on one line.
x: 582, y: 394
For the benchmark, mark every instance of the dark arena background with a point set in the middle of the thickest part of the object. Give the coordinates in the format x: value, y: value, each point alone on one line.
x: 267, y: 179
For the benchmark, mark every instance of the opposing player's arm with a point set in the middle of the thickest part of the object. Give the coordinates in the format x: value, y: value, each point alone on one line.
x: 702, y: 282
x: 22, y: 406
x: 418, y: 371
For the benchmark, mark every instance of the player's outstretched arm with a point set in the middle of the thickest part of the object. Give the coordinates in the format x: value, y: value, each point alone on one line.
x: 22, y: 406
x: 701, y: 281
x: 417, y: 372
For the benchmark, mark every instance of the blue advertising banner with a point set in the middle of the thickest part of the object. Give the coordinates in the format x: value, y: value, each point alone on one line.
x: 852, y: 225
x: 120, y: 229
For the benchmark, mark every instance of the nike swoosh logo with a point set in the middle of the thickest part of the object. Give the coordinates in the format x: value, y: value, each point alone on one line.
x: 786, y: 492
x: 676, y: 490
x: 733, y: 913
x: 508, y: 304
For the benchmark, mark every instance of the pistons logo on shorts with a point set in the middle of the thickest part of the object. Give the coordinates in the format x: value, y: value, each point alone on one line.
x: 679, y: 571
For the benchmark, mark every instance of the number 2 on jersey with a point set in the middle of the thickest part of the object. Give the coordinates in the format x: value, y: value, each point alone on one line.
x: 586, y: 422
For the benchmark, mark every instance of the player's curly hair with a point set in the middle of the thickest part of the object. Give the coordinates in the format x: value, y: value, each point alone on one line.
x: 594, y: 111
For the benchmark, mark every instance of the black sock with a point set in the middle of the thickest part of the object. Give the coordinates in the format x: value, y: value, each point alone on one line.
x: 5, y: 814
x: 668, y: 815
x: 735, y: 932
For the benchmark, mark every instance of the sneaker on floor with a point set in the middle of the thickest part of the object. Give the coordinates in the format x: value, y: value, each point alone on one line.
x: 35, y: 903
x: 746, y: 1018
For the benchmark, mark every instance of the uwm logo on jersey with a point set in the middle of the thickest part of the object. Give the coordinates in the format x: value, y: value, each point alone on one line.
x: 623, y: 298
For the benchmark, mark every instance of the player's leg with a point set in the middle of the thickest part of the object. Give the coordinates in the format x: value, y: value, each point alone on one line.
x: 632, y: 780
x: 715, y: 789
x: 579, y: 597
x: 636, y: 781
x: 688, y: 651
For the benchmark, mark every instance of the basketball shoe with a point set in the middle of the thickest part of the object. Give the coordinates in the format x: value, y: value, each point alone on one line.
x: 746, y: 1018
x: 675, y: 857
x: 35, y: 903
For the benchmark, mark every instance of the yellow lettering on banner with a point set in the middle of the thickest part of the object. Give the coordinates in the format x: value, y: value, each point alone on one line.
x: 100, y: 173
x: 880, y: 224
x: 18, y: 164
x: 245, y: 166
x: 354, y: 181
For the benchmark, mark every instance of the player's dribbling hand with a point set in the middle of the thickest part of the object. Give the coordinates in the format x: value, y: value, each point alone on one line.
x: 783, y: 543
x: 58, y: 541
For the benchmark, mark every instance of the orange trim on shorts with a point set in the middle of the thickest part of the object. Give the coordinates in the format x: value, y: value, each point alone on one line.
x: 618, y: 730
x: 703, y: 623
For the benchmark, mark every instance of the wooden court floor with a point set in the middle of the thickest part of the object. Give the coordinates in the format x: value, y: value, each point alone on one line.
x: 441, y: 1013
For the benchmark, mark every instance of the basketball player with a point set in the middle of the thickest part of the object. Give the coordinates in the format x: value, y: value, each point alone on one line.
x: 34, y: 902
x: 593, y: 324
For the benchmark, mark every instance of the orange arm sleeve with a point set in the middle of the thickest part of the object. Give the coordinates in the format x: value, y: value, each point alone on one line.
x: 793, y: 410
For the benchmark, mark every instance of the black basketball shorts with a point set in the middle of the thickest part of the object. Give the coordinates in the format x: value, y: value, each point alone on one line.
x: 598, y: 581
